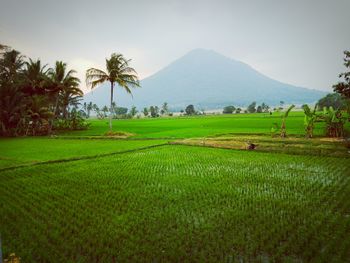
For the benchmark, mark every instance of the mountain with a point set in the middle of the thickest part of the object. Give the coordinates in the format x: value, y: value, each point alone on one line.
x: 208, y: 80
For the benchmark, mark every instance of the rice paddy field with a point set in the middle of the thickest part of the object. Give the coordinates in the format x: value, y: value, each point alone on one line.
x: 164, y: 195
x: 199, y: 126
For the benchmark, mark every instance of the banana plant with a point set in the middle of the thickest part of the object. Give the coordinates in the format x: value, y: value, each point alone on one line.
x: 309, y: 120
x: 284, y: 118
x: 334, y: 122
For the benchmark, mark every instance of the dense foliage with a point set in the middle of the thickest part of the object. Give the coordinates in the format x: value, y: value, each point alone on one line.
x: 154, y: 111
x: 229, y: 109
x: 34, y: 98
x: 251, y: 107
x: 334, y: 100
x: 343, y: 87
x: 190, y: 110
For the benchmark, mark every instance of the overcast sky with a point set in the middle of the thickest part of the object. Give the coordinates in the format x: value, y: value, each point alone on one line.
x: 300, y: 42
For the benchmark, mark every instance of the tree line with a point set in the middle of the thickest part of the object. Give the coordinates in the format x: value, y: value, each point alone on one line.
x: 125, y: 113
x: 36, y: 99
x: 252, y: 108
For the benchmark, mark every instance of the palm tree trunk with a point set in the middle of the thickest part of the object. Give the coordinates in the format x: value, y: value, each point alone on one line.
x: 56, y: 105
x: 110, y: 109
x: 64, y: 112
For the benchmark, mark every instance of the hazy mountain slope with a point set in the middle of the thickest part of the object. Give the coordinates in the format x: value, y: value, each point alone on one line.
x: 208, y: 80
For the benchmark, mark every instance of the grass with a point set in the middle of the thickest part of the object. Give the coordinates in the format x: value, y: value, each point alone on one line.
x: 199, y: 126
x: 21, y: 151
x: 179, y: 203
x: 91, y: 196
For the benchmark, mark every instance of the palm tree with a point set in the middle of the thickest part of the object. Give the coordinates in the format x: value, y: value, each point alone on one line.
x: 89, y: 108
x: 12, y: 110
x: 35, y: 77
x: 12, y: 101
x: 105, y: 110
x: 70, y: 95
x: 60, y: 81
x: 118, y: 72
x: 145, y: 111
x: 164, y: 108
x: 11, y: 63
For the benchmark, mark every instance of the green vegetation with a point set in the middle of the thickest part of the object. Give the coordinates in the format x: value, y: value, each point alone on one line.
x: 190, y: 110
x: 179, y: 203
x: 21, y: 151
x: 251, y: 108
x: 284, y: 120
x: 309, y: 120
x: 343, y: 87
x: 118, y: 72
x: 86, y: 196
x: 334, y: 100
x: 218, y: 188
x: 202, y: 126
x: 35, y: 100
x: 334, y: 122
x: 229, y: 109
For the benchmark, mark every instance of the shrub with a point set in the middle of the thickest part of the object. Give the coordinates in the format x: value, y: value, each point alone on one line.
x: 190, y: 110
x: 75, y: 121
x: 229, y: 109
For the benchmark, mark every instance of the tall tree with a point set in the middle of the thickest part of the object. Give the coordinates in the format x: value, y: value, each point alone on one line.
x: 165, y: 108
x: 89, y: 108
x: 117, y: 72
x: 61, y: 81
x: 12, y: 102
x: 190, y: 110
x: 133, y: 111
x: 70, y: 95
x: 251, y: 108
x: 145, y: 112
x: 334, y: 100
x: 343, y: 87
x: 11, y: 63
x: 96, y: 109
x: 228, y: 109
x: 105, y: 110
x: 35, y: 77
x: 265, y: 107
x: 153, y: 111
x: 29, y: 93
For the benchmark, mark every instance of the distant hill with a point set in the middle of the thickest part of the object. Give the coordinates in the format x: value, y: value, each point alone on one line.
x: 208, y: 80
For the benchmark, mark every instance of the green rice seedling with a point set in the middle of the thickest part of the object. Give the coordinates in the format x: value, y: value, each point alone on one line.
x: 178, y: 203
